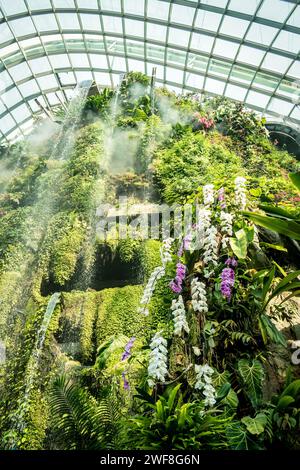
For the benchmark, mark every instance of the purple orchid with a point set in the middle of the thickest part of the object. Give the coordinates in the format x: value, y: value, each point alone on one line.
x: 127, y: 350
x: 227, y: 282
x: 221, y: 198
x: 176, y: 284
x: 231, y: 262
x: 125, y: 382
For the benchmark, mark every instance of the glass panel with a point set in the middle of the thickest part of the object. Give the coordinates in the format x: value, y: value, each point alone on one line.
x: 174, y: 75
x: 265, y: 81
x: 52, y: 98
x: 276, y: 62
x: 135, y: 7
x: 47, y: 82
x: 59, y: 61
x: 45, y: 22
x: 217, y: 67
x: 249, y: 55
x: 5, y: 33
x: 118, y: 63
x: 288, y: 42
x: 242, y: 74
x: 19, y: 72
x: 102, y: 78
x: 90, y: 22
x: 261, y: 34
x: 88, y: 4
x: 257, y: 99
x: 280, y: 106
x: 11, y: 97
x: 134, y: 28
x: 235, y: 92
x: 3, y: 108
x: 21, y: 113
x: 79, y: 60
x: 67, y: 78
x: 5, y: 80
x: 214, y: 86
x: 216, y: 3
x: 13, y: 7
x: 39, y: 4
x: 158, y: 9
x: 6, y: 123
x: 295, y: 17
x: 111, y: 5
x: 9, y: 50
x: 64, y: 4
x: 40, y: 65
x: 156, y: 53
x: 98, y: 61
x: 136, y: 65
x: 183, y: 15
x: 294, y: 70
x: 275, y: 10
x: 225, y: 48
x: 135, y: 48
x: 248, y: 7
x: 22, y: 26
x: 194, y: 81
x: 112, y: 24
x: 202, y: 42
x: 234, y: 26
x: 82, y: 76
x: 208, y: 20
x: 68, y: 21
x: 179, y: 37
x: 159, y: 70
x: 29, y: 88
x: 176, y: 57
x: 289, y: 89
x: 156, y: 32
x: 34, y: 107
x: 296, y: 113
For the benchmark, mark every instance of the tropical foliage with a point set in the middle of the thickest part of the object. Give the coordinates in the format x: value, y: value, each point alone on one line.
x: 177, y: 342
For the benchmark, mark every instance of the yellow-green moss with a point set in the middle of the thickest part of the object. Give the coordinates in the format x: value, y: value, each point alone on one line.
x: 117, y: 313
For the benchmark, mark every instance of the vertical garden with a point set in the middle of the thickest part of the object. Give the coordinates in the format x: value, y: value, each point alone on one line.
x: 170, y: 342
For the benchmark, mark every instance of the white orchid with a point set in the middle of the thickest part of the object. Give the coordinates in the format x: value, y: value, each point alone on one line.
x: 204, y: 383
x: 157, y: 368
x: 178, y: 311
x: 240, y: 192
x: 208, y: 194
x: 199, y: 300
x: 157, y: 274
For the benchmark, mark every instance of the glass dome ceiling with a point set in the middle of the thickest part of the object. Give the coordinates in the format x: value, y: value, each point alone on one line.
x: 245, y: 50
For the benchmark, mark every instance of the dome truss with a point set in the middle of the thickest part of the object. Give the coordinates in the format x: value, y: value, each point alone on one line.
x: 209, y: 46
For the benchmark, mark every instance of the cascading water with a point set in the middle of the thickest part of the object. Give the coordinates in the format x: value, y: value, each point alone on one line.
x: 41, y: 213
x: 66, y: 137
x: 33, y: 365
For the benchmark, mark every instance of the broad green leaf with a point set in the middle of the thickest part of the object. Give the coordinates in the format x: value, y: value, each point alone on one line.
x: 285, y: 227
x: 239, y: 244
x: 255, y: 425
x: 273, y: 247
x: 223, y: 392
x: 239, y: 438
x: 284, y: 402
x: 172, y: 397
x: 252, y: 375
x: 295, y: 178
x: 293, y: 389
x: 277, y: 211
x: 269, y: 331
